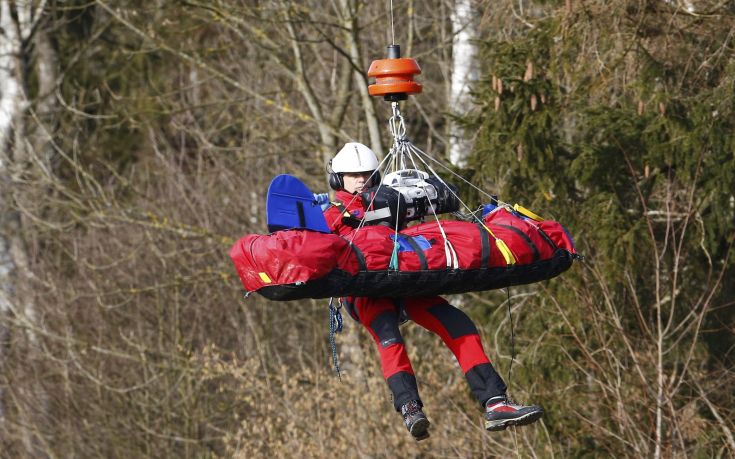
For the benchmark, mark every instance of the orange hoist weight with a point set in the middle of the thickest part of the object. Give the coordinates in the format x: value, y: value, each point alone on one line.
x: 394, y: 76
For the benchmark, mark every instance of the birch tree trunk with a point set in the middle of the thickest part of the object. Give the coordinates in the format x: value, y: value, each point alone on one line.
x: 10, y: 108
x: 464, y: 71
x: 19, y: 24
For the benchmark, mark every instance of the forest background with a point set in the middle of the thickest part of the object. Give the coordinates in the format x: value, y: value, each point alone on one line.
x: 137, y: 139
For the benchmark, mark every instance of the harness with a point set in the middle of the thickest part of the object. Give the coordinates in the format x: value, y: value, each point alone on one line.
x: 347, y: 218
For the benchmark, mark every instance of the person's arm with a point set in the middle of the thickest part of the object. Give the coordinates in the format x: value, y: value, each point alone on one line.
x: 334, y: 220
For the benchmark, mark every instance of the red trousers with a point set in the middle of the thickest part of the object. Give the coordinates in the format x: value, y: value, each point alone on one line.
x: 381, y: 317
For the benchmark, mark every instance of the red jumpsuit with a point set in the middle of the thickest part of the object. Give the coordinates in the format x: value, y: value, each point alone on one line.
x: 381, y: 317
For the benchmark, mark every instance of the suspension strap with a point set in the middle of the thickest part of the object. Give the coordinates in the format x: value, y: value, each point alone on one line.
x: 526, y: 239
x: 502, y: 246
x: 485, y: 244
x: 423, y: 265
x: 335, y: 326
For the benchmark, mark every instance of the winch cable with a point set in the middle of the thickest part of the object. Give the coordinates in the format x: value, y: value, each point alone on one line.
x: 392, y: 28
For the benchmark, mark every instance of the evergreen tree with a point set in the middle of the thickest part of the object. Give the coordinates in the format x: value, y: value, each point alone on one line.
x: 624, y: 134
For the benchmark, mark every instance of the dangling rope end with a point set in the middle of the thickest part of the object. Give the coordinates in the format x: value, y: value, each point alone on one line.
x: 512, y: 338
x: 394, y: 256
x: 335, y: 326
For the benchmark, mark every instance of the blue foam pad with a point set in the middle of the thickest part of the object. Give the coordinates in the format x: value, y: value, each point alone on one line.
x: 405, y: 246
x: 291, y: 204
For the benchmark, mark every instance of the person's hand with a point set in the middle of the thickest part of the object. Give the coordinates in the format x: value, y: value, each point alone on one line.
x: 323, y: 200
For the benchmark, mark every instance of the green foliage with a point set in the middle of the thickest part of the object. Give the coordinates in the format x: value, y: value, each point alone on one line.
x: 635, y: 155
x: 519, y: 128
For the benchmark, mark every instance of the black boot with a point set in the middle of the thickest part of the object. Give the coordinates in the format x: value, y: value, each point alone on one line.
x: 415, y: 420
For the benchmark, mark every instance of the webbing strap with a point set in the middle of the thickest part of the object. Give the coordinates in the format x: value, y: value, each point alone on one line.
x: 302, y: 214
x: 419, y: 252
x: 360, y: 257
x: 524, y: 236
x: 546, y: 237
x: 485, y: 241
x: 510, y: 259
x: 347, y: 217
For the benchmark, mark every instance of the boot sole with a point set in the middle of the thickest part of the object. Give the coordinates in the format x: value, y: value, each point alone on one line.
x: 502, y: 424
x: 420, y: 429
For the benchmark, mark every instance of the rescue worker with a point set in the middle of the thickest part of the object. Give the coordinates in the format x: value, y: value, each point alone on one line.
x: 352, y: 169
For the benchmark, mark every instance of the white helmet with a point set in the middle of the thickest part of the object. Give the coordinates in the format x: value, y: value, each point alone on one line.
x: 354, y: 157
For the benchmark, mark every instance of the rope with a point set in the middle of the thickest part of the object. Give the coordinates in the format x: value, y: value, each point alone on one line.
x: 512, y: 339
x: 481, y: 191
x: 449, y: 253
x: 499, y: 243
x: 335, y: 326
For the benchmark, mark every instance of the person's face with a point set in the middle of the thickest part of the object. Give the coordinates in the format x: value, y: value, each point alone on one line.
x: 354, y: 182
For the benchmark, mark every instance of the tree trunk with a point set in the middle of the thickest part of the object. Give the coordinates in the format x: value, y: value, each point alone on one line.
x: 19, y: 23
x: 464, y: 71
x: 10, y: 107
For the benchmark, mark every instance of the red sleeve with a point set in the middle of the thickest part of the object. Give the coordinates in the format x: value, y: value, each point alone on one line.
x: 334, y: 220
x: 333, y: 215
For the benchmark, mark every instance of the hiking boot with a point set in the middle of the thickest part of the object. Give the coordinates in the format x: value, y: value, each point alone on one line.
x: 501, y: 412
x: 415, y: 420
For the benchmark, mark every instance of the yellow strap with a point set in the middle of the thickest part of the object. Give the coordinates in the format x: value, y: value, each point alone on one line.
x: 502, y: 246
x: 264, y: 277
x: 505, y: 250
x: 523, y: 211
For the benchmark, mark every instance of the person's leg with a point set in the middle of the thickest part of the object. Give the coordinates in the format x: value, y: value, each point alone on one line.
x: 460, y: 335
x: 380, y: 317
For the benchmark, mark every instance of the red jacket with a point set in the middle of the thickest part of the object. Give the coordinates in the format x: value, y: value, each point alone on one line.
x: 337, y: 221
